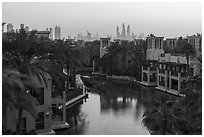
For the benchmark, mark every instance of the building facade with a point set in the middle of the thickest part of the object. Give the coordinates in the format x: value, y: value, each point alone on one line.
x: 104, y: 43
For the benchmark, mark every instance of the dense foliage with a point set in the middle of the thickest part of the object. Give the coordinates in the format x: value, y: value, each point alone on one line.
x: 123, y: 58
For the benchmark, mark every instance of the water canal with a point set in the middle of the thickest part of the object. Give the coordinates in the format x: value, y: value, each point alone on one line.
x: 112, y: 108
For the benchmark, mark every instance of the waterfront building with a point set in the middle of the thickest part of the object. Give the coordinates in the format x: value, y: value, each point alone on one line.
x: 51, y: 110
x: 149, y: 67
x: 104, y: 43
x: 172, y: 73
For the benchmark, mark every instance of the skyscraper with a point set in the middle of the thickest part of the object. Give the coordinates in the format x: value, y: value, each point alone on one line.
x: 128, y: 31
x: 57, y: 32
x: 51, y: 33
x: 117, y: 33
x: 9, y: 27
x: 123, y: 31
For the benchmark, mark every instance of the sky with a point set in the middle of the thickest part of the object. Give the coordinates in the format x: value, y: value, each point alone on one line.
x: 168, y: 19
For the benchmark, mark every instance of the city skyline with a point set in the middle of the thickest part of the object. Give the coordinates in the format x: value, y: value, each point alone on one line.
x: 162, y: 19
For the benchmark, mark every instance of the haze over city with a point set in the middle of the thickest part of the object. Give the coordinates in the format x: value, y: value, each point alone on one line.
x: 162, y: 19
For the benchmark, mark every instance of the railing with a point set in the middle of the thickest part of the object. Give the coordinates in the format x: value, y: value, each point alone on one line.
x: 73, y: 93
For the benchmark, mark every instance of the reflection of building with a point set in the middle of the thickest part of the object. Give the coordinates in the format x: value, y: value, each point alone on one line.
x: 104, y: 43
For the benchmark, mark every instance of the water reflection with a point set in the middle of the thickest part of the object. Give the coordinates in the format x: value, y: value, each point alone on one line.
x: 112, y: 108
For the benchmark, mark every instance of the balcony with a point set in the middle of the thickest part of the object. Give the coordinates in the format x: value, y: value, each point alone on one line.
x: 174, y: 73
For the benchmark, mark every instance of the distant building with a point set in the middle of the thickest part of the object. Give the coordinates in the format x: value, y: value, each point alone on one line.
x: 57, y: 32
x: 154, y: 47
x: 10, y: 28
x: 171, y: 42
x: 196, y: 42
x: 51, y: 34
x: 137, y: 41
x: 22, y: 26
x: 26, y: 28
x: 44, y: 34
x: 128, y: 32
x: 104, y: 43
x: 124, y: 35
x: 88, y: 36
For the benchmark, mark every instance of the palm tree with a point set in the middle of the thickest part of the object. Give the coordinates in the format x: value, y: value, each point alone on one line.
x: 160, y: 119
x: 14, y: 95
x: 32, y: 57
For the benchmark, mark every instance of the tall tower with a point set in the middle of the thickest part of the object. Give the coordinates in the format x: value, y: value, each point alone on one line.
x: 117, y: 33
x: 123, y: 31
x: 128, y: 32
x: 57, y: 32
x: 51, y: 33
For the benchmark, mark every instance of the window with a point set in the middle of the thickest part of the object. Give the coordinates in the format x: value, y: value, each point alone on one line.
x: 153, y: 77
x: 39, y: 95
x: 23, y: 124
x: 39, y: 123
x: 145, y: 77
x: 174, y: 84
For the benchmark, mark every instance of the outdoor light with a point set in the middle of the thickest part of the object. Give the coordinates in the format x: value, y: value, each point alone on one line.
x: 47, y: 114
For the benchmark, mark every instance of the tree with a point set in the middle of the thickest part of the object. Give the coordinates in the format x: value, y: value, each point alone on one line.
x: 180, y: 116
x: 14, y: 95
x: 32, y: 57
x: 184, y: 48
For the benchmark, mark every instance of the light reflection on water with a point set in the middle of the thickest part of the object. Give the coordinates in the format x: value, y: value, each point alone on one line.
x: 111, y: 110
